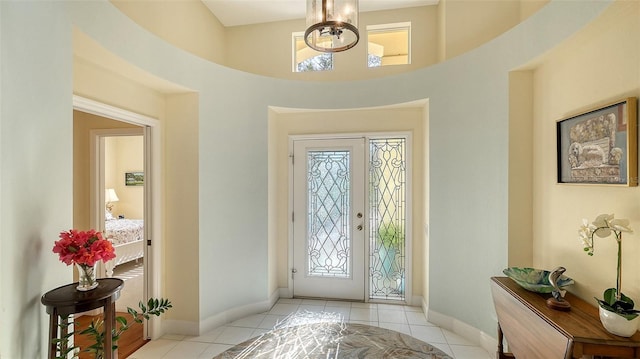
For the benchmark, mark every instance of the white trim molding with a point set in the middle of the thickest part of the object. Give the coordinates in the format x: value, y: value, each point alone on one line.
x: 214, y: 321
x: 100, y: 109
x: 230, y: 315
x: 470, y: 333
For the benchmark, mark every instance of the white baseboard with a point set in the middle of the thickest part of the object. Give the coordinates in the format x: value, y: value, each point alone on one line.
x: 285, y: 293
x: 181, y: 327
x: 232, y: 314
x: 194, y: 328
x: 470, y: 333
x: 273, y: 298
x: 414, y: 301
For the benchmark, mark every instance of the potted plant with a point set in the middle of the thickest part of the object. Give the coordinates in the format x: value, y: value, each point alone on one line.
x: 96, y: 328
x: 96, y: 331
x: 617, y: 312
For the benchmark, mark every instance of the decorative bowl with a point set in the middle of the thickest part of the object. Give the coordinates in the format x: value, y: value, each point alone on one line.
x: 535, y: 280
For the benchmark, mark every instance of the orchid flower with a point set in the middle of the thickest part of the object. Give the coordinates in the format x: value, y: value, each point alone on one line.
x: 603, y: 226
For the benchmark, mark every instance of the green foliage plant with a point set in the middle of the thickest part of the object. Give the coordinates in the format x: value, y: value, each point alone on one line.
x: 62, y: 344
x: 95, y: 330
x: 390, y: 235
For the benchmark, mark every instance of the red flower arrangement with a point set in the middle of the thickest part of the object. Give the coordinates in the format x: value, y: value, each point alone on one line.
x: 83, y: 247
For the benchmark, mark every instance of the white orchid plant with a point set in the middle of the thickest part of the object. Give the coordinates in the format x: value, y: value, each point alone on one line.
x: 603, y: 226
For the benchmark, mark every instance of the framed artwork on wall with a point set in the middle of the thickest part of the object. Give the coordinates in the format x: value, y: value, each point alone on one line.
x: 599, y: 146
x: 134, y: 178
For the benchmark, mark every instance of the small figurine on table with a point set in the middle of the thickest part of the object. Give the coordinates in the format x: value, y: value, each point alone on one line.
x: 557, y: 301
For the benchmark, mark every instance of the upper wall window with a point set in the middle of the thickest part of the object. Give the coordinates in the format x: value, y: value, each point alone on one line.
x: 389, y: 44
x: 308, y: 59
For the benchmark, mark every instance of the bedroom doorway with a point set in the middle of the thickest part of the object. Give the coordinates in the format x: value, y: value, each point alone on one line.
x: 122, y: 163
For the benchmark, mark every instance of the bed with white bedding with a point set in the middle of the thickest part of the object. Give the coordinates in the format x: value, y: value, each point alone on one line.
x: 127, y: 238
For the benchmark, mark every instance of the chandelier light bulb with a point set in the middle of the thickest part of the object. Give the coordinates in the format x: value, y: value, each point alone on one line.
x: 332, y: 25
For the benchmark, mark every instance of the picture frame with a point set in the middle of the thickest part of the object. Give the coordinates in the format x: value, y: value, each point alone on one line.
x: 599, y: 146
x: 134, y: 178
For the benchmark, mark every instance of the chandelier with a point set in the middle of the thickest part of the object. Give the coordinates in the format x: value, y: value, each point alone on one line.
x: 332, y: 25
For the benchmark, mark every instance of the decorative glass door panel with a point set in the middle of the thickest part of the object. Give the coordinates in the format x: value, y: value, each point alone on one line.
x: 328, y: 219
x: 387, y: 218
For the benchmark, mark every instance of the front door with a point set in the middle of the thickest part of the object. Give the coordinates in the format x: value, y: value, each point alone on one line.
x: 328, y: 219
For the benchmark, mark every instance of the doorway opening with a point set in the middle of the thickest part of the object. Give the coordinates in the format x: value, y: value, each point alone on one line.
x: 121, y: 161
x: 350, y: 218
x: 111, y: 145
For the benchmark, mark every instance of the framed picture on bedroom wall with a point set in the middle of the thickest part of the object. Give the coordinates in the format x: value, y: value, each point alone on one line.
x: 134, y: 178
x: 599, y: 146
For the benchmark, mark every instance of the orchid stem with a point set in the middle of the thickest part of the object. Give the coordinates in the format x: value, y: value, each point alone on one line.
x: 619, y: 274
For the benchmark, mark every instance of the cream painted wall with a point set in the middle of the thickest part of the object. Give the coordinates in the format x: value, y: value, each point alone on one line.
x: 93, y: 82
x: 442, y: 31
x: 248, y: 44
x: 467, y: 24
x: 285, y: 124
x: 528, y: 7
x: 470, y: 23
x: 110, y: 170
x: 424, y: 228
x: 187, y: 24
x: 520, y: 245
x: 183, y: 258
x: 127, y: 155
x: 598, y: 65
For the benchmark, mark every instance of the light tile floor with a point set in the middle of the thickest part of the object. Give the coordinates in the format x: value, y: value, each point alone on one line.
x: 404, y: 319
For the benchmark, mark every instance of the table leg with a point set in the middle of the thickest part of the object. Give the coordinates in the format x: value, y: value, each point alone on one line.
x: 501, y: 354
x: 500, y: 345
x: 64, y: 330
x: 53, y: 334
x: 109, y: 321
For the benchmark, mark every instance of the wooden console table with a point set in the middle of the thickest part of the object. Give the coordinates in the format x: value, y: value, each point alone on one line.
x: 533, y: 330
x: 66, y: 300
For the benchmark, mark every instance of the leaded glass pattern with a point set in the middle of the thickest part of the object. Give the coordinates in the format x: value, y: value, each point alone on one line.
x: 328, y: 236
x: 387, y: 218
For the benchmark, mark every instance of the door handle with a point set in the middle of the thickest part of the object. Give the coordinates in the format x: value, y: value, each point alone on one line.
x: 359, y: 227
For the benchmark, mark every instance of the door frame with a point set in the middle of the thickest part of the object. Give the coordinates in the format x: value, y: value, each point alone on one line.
x: 153, y: 194
x: 353, y: 286
x: 408, y: 290
x: 97, y: 201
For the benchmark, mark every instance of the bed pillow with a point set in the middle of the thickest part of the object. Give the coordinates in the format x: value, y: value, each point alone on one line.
x: 108, y: 216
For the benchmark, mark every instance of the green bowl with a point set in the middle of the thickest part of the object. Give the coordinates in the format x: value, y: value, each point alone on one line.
x: 535, y: 280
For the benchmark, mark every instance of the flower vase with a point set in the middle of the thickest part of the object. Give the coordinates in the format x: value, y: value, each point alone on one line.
x: 617, y: 324
x: 86, y: 277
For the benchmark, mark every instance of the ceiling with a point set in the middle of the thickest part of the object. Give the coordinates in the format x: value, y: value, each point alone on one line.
x: 245, y: 12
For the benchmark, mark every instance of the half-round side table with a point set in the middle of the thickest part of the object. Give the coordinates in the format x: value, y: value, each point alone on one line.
x: 66, y: 300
